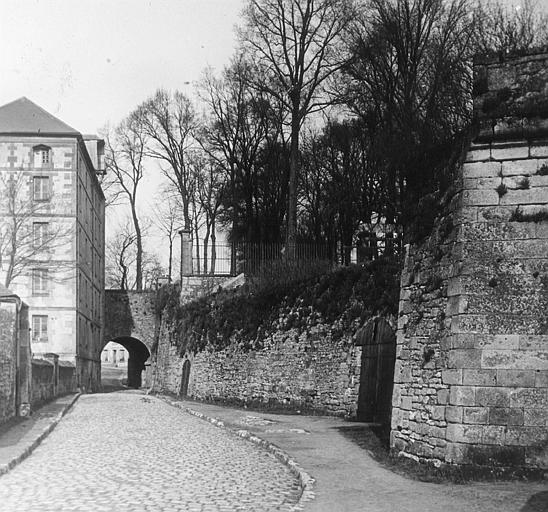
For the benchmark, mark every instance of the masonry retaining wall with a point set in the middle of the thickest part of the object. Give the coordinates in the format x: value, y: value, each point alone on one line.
x: 51, y: 378
x: 8, y: 359
x: 307, y: 372
x: 471, y: 379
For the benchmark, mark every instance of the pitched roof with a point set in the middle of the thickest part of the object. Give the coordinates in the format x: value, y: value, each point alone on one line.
x: 22, y: 116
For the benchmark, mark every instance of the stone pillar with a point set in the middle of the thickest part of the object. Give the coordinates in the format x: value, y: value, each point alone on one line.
x: 186, y: 252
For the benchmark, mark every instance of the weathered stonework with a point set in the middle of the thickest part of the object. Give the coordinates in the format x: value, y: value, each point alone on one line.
x: 471, y: 379
x: 309, y: 372
x: 315, y: 368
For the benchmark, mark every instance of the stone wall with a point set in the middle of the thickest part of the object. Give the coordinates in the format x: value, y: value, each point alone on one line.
x: 471, y: 379
x: 8, y: 358
x: 310, y: 372
x: 130, y: 314
x: 51, y: 378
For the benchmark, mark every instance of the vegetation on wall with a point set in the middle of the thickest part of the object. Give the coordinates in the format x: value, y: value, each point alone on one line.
x: 247, y: 316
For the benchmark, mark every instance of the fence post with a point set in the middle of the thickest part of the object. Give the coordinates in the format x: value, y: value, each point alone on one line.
x: 186, y: 252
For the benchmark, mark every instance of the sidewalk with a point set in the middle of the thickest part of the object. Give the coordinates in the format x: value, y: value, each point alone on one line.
x: 347, y: 479
x: 22, y: 435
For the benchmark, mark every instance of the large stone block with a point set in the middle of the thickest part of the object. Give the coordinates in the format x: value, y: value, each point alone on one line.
x: 505, y: 416
x: 481, y: 170
x: 520, y: 167
x: 485, y: 197
x: 454, y: 413
x: 475, y: 415
x: 516, y: 378
x: 479, y: 377
x: 462, y: 395
x: 525, y: 436
x: 509, y: 151
x: 451, y: 376
x: 464, y: 433
x: 492, y: 396
x: 514, y: 360
x: 536, y: 417
x: 478, y: 153
x: 537, y: 195
x: 464, y: 359
x: 529, y: 397
x: 493, y: 434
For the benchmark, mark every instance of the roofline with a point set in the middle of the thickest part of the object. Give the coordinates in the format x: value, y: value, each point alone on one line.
x: 43, y: 134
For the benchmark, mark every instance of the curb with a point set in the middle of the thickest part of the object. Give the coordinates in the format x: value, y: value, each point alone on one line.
x: 5, y: 468
x: 305, y: 480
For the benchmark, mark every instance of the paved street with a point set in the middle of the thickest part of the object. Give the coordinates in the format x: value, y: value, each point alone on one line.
x: 125, y: 451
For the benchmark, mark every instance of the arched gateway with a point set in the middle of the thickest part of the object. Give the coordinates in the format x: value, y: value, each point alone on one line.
x: 130, y: 321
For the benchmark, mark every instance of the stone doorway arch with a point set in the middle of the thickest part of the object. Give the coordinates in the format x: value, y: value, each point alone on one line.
x: 138, y: 355
x: 378, y: 342
x: 185, y: 378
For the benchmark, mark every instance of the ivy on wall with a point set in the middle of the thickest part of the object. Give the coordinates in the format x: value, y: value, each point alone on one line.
x: 249, y: 314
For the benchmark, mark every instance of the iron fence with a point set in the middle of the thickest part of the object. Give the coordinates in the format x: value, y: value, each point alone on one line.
x: 255, y: 259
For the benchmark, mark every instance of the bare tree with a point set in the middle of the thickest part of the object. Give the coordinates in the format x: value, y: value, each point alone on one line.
x: 294, y: 44
x: 241, y: 122
x: 211, y: 184
x: 169, y: 121
x: 120, y: 255
x: 168, y: 217
x: 28, y: 236
x: 153, y: 270
x: 410, y: 84
x: 502, y: 29
x: 125, y: 150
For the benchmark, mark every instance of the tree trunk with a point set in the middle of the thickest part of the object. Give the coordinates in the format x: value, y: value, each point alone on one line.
x: 213, y: 247
x: 291, y: 236
x: 139, y: 241
x: 170, y: 263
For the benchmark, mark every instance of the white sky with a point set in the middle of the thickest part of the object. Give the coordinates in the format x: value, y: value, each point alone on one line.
x: 92, y: 61
x: 89, y: 62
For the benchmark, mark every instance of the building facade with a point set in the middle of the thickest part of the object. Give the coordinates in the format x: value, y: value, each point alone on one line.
x: 52, y: 225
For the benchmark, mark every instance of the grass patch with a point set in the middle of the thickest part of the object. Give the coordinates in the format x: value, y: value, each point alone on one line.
x: 502, y: 190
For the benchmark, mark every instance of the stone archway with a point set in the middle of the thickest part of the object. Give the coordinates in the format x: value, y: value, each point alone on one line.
x: 138, y: 355
x: 378, y: 342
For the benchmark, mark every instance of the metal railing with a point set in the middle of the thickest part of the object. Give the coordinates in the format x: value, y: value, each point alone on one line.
x: 251, y: 258
x: 255, y: 259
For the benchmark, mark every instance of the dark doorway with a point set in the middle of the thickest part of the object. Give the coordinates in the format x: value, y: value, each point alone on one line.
x: 185, y: 378
x: 378, y: 342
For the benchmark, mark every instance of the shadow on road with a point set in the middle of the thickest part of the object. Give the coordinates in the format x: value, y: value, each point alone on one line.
x: 536, y: 503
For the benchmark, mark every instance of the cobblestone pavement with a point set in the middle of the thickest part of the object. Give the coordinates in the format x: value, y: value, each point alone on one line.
x: 125, y: 451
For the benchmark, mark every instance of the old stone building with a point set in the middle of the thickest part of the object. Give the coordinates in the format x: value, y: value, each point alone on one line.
x: 52, y: 224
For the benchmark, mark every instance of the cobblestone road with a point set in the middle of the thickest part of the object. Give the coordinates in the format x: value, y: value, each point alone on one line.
x: 128, y: 452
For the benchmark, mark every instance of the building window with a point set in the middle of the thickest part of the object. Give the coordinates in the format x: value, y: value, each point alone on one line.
x: 42, y: 156
x: 39, y: 281
x: 39, y: 233
x: 41, y: 188
x: 39, y: 328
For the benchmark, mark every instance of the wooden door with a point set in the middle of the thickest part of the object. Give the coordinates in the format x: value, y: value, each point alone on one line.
x: 185, y: 378
x: 378, y: 343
